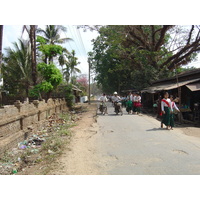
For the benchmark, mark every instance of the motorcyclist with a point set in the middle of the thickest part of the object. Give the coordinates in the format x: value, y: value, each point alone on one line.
x: 103, y: 100
x: 115, y: 99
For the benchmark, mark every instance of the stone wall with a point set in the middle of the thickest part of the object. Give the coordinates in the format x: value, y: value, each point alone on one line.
x: 19, y: 120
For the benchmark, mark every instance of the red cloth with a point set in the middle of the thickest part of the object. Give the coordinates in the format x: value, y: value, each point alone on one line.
x: 166, y: 102
x: 137, y: 104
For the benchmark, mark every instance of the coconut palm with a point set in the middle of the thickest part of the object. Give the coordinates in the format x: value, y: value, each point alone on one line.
x: 72, y: 63
x: 52, y: 34
x: 63, y: 59
x: 17, y: 65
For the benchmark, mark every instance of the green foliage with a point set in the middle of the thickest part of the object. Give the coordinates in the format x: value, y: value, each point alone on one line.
x: 52, y: 78
x: 131, y: 57
x: 51, y: 50
x: 69, y: 95
x: 71, y: 69
x: 50, y: 73
x: 16, y: 68
x: 41, y: 40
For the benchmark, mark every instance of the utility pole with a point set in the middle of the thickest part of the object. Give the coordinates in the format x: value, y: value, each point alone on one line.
x: 89, y: 81
x: 179, y: 95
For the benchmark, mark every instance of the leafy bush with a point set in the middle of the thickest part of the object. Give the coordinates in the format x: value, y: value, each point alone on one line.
x: 69, y: 95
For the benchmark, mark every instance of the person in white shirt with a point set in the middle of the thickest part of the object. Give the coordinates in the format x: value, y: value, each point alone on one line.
x: 174, y: 107
x: 115, y: 99
x: 166, y: 108
x: 138, y: 104
x: 103, y: 99
x: 129, y: 103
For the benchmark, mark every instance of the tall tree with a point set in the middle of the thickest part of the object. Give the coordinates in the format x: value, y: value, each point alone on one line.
x: 72, y: 63
x: 31, y: 30
x: 33, y: 53
x: 17, y: 68
x: 52, y: 33
x: 137, y: 55
x: 1, y: 44
x: 163, y: 45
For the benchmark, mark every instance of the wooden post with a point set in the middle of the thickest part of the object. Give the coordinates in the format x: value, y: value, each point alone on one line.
x: 179, y: 95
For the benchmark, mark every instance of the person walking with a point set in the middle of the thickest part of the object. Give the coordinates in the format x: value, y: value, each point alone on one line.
x: 166, y: 107
x: 138, y: 103
x: 174, y: 107
x: 129, y: 103
x: 134, y: 99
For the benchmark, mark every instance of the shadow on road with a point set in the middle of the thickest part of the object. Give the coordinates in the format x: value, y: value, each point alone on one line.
x: 157, y: 129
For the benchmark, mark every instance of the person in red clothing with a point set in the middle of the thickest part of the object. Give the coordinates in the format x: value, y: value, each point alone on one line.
x: 174, y: 107
x: 166, y: 108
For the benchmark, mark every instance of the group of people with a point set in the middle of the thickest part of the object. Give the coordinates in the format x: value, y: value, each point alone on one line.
x: 132, y: 102
x: 168, y: 107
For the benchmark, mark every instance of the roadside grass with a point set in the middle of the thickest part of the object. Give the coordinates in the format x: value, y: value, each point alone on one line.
x: 58, y: 138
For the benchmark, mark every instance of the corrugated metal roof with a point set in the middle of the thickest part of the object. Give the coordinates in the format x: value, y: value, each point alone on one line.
x: 169, y: 86
x: 194, y: 86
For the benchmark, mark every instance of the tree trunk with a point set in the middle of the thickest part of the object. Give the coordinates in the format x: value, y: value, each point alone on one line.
x: 33, y: 53
x: 1, y: 44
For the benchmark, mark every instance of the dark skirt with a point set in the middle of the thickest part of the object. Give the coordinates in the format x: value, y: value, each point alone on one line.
x: 172, y: 119
x: 166, y: 116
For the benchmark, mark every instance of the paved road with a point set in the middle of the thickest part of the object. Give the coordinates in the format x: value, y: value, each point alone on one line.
x: 132, y: 144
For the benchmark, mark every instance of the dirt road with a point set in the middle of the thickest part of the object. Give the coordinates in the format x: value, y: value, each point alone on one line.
x: 81, y: 157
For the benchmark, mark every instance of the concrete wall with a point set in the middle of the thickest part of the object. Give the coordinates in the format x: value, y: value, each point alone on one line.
x: 19, y: 120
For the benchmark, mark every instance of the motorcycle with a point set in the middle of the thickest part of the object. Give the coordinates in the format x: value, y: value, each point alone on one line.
x: 103, y: 108
x: 118, y: 108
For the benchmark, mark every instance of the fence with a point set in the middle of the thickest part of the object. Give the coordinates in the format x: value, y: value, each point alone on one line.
x: 18, y: 120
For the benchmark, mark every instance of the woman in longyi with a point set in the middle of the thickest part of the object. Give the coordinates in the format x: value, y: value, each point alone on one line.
x: 166, y: 108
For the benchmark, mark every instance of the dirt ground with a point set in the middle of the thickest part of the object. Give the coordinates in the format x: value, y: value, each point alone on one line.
x: 81, y: 157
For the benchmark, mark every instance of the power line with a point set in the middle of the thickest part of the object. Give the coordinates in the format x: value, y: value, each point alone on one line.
x: 80, y: 37
x: 74, y: 41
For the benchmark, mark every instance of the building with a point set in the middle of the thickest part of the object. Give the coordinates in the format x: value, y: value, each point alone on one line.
x: 185, y: 85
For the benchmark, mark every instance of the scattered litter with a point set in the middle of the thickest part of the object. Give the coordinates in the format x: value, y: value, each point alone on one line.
x: 22, y: 146
x: 50, y: 152
x: 32, y: 145
x: 14, y: 171
x: 34, y: 150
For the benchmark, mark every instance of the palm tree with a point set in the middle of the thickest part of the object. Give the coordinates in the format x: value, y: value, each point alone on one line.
x: 31, y: 30
x: 72, y: 63
x: 52, y: 34
x: 18, y: 64
x: 63, y: 59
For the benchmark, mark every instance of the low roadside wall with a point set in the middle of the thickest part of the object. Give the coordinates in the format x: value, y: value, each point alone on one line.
x: 19, y: 120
